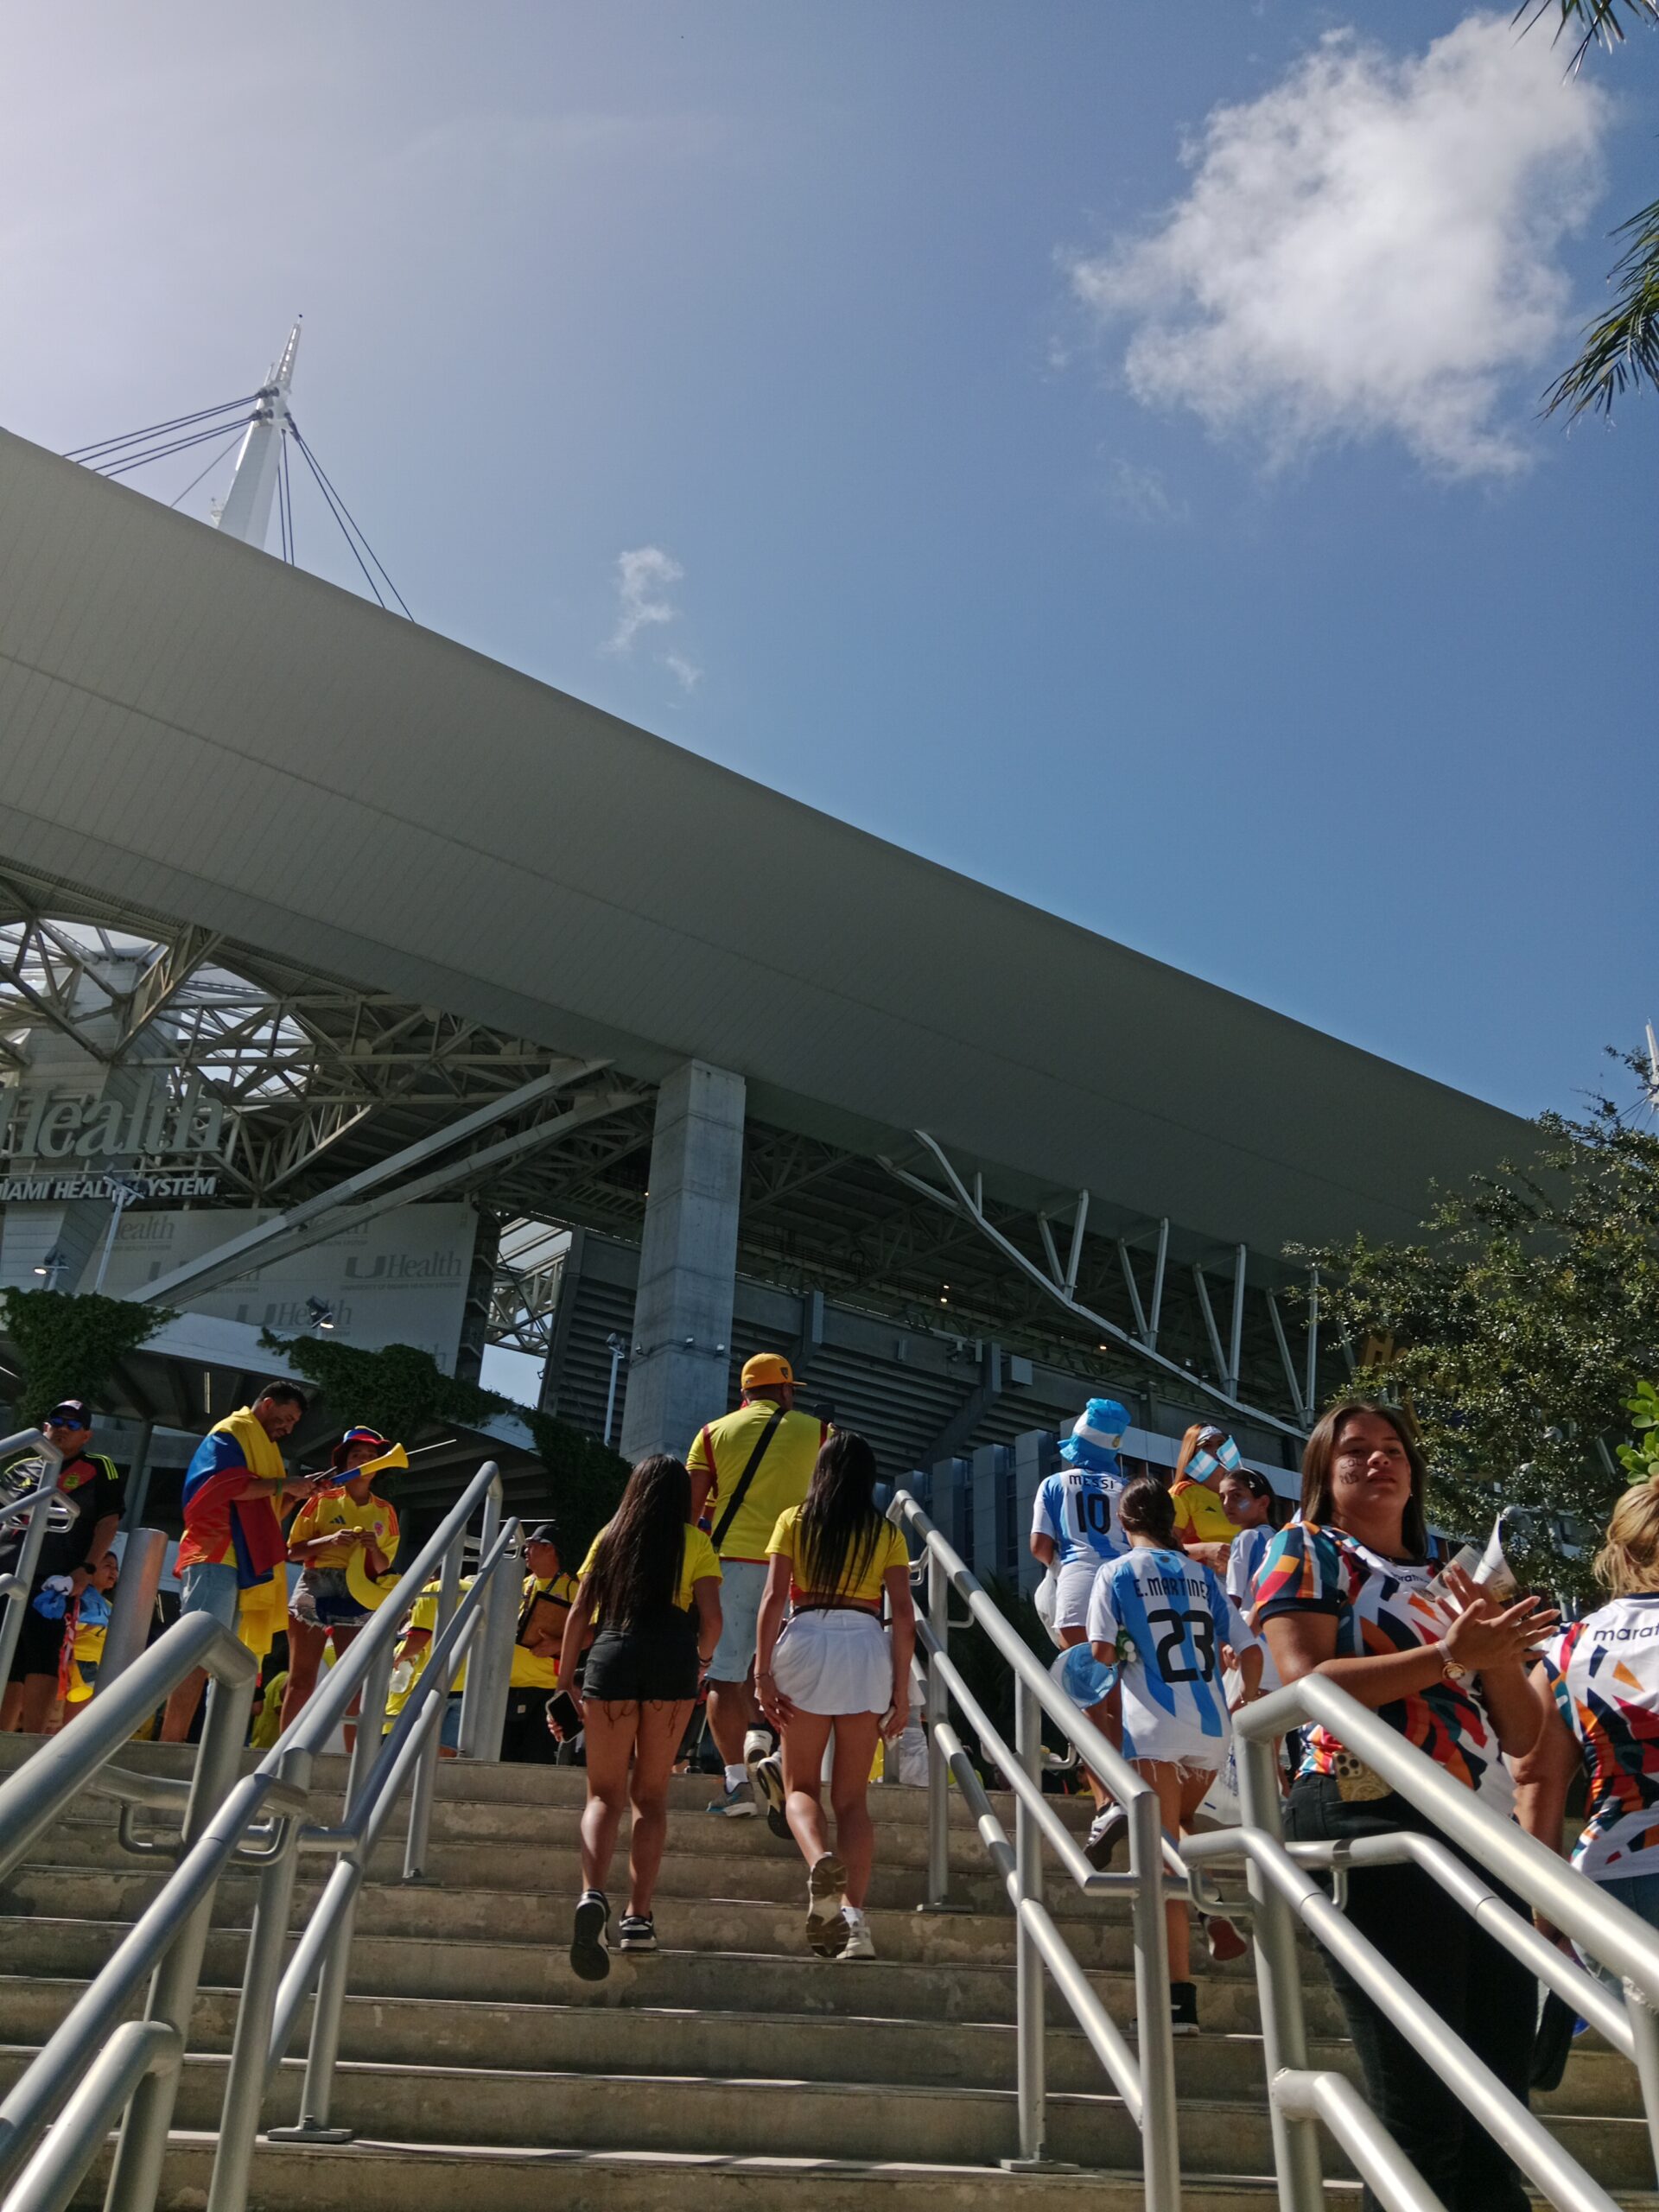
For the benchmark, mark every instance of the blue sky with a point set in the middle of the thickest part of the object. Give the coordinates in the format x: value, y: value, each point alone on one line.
x: 1142, y: 510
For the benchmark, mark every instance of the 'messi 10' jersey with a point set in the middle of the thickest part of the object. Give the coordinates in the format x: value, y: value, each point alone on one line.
x: 1173, y: 1616
x: 1605, y: 1672
x: 1079, y: 1508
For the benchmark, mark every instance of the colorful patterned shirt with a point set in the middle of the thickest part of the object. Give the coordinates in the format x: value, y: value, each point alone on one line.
x: 1379, y: 1605
x: 1605, y: 1672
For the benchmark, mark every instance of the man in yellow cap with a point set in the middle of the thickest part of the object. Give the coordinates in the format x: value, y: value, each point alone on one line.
x: 746, y: 1470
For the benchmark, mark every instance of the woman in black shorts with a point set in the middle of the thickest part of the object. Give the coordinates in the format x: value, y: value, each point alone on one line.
x: 650, y: 1591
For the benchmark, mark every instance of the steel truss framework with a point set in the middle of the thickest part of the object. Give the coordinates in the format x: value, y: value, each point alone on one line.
x: 322, y: 1078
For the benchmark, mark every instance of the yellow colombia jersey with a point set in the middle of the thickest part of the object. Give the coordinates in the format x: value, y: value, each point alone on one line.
x: 536, y: 1670
x: 1201, y: 1516
x: 332, y: 1508
x: 866, y: 1590
x: 782, y: 1479
x: 409, y: 1657
x: 697, y: 1563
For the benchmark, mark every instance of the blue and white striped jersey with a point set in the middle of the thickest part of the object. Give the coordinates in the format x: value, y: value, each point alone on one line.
x: 1079, y: 1508
x: 1175, y: 1617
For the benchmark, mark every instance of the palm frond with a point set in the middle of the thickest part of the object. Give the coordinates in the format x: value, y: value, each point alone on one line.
x: 1621, y: 351
x: 1598, y: 21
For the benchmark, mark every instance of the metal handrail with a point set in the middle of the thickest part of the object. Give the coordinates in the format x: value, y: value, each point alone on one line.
x: 1285, y: 1893
x: 1145, y: 2075
x: 16, y: 1586
x: 259, y: 1821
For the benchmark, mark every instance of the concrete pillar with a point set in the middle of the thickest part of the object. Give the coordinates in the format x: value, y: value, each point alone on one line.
x: 681, y: 1351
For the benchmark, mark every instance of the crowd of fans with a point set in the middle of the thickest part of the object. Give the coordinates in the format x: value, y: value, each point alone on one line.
x: 758, y: 1578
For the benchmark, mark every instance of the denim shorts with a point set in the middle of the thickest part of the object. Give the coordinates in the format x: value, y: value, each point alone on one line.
x: 206, y: 1589
x: 743, y: 1585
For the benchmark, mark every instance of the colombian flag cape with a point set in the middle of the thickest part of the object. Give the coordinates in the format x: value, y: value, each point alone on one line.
x: 217, y: 1518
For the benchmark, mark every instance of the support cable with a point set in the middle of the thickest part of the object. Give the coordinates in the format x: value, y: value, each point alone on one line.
x: 225, y: 449
x: 156, y: 430
x: 348, y: 523
x: 288, y: 496
x: 124, y: 466
x: 305, y: 451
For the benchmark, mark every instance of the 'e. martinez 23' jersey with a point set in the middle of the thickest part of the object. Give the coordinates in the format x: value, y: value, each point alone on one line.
x: 1605, y: 1672
x: 1169, y: 1617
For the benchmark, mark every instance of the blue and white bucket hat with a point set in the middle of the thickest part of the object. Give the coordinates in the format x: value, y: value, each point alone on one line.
x: 1095, y: 1435
x: 1082, y: 1676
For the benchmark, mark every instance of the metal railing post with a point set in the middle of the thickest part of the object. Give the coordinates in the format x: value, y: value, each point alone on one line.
x: 323, y: 2050
x: 134, y: 1609
x: 1279, y: 1984
x: 1160, y: 2151
x: 244, y: 2087
x: 476, y: 1694
x: 938, y: 1712
x: 426, y: 1771
x: 1030, y: 2027
x: 136, y: 2175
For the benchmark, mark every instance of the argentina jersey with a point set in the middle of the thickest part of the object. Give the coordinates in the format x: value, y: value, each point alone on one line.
x: 1168, y: 1618
x: 1078, y: 1509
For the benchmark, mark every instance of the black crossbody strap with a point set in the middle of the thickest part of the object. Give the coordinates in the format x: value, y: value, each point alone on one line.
x: 746, y: 1478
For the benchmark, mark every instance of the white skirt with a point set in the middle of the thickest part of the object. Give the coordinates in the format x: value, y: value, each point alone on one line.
x: 833, y: 1662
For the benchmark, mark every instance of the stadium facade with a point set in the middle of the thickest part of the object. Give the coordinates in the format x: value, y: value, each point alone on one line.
x: 350, y: 979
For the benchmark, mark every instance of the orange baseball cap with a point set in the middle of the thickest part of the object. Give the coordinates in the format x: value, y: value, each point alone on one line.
x: 766, y: 1371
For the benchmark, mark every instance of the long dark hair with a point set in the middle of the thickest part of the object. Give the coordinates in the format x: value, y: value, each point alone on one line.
x: 636, y: 1569
x: 1259, y: 1488
x: 839, y: 1529
x: 1318, y: 1462
x: 1147, y: 1508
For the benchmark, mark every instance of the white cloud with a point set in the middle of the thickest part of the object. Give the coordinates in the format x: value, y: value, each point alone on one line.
x: 642, y: 580
x: 686, y: 673
x: 1368, y: 248
x: 1142, y: 492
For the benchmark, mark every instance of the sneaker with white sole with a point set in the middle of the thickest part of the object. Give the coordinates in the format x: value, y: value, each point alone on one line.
x: 636, y: 1931
x: 736, y: 1803
x: 589, y: 1959
x: 768, y: 1781
x: 859, y: 1944
x: 1183, y: 2008
x: 826, y: 1929
x: 1108, y: 1830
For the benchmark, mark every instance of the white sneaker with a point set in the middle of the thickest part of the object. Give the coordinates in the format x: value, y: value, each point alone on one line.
x: 826, y: 1929
x: 1108, y: 1831
x: 859, y: 1944
x: 737, y: 1803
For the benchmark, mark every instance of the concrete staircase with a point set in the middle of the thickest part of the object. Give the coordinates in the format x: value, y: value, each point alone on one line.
x: 481, y: 2076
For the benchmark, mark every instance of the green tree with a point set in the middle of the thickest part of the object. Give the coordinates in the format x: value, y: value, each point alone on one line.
x: 585, y: 1481
x: 1621, y: 348
x: 400, y: 1391
x: 1518, y: 1329
x: 69, y: 1345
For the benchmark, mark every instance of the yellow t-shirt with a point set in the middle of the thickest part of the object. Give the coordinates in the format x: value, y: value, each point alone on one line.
x: 865, y: 1589
x: 333, y: 1509
x: 537, y: 1670
x: 1201, y: 1516
x: 269, y: 1726
x: 408, y: 1660
x: 781, y: 1480
x: 698, y: 1563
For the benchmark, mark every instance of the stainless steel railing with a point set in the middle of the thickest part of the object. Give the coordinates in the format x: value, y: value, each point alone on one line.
x: 94, y: 2067
x: 32, y: 1510
x: 1143, y: 2076
x: 1285, y: 1893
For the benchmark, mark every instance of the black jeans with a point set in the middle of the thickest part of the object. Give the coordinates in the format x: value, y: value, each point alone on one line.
x: 1480, y: 1991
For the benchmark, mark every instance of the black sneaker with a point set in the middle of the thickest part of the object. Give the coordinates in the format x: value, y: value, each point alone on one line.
x: 636, y: 1931
x: 590, y: 1959
x: 1108, y: 1831
x: 1183, y: 2008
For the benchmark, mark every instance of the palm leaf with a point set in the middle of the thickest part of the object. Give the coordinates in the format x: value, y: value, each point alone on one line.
x: 1595, y: 21
x: 1621, y: 351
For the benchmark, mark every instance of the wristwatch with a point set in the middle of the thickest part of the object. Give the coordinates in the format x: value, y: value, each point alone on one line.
x: 1454, y: 1670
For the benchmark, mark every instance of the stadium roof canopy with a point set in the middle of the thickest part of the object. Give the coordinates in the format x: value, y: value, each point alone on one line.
x: 367, y: 823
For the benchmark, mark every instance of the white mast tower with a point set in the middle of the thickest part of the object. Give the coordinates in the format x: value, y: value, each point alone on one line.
x: 246, y: 512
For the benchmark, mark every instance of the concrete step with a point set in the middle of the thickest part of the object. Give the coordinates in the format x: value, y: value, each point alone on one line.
x: 646, y: 2038
x: 392, y: 2177
x: 697, y: 1922
x: 788, y: 2117
x: 523, y: 1973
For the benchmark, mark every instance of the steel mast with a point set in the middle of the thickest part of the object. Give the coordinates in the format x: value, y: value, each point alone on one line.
x: 246, y: 512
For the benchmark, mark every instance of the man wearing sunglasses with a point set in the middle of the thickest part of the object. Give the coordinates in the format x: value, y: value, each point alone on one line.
x: 76, y: 1539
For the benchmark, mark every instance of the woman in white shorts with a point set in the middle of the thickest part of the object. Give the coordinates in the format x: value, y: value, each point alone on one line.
x: 1162, y: 1619
x: 1074, y: 1532
x: 832, y: 1671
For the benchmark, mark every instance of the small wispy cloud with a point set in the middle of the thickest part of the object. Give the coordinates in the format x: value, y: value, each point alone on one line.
x: 686, y: 673
x: 643, y: 578
x: 1142, y: 492
x: 1372, y: 248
